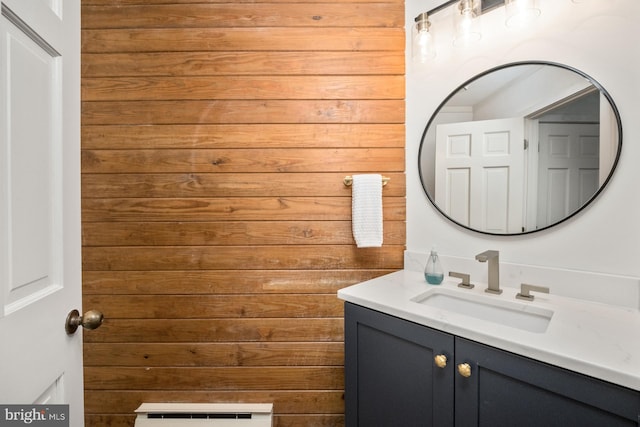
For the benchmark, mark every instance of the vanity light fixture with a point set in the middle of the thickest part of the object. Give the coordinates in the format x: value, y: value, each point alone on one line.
x: 521, y: 12
x: 466, y: 23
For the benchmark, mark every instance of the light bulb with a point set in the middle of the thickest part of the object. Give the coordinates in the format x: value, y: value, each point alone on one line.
x: 521, y: 12
x: 466, y: 26
x: 423, y: 48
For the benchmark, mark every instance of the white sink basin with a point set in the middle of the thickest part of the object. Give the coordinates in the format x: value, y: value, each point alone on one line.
x: 522, y: 316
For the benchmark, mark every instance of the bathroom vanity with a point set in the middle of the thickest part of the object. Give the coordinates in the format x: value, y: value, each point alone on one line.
x: 420, y: 355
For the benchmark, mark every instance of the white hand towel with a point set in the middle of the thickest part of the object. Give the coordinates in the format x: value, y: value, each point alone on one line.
x: 366, y: 210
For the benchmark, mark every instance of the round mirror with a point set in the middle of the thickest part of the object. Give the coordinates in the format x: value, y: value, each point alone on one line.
x: 520, y: 148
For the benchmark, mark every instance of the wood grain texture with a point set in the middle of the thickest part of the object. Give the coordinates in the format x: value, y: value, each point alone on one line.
x: 216, y: 306
x: 242, y: 63
x: 365, y: 160
x: 242, y: 111
x: 230, y: 233
x: 119, y: 3
x: 242, y: 39
x: 298, y: 402
x: 236, y: 378
x: 165, y: 185
x: 260, y: 135
x: 231, y: 209
x: 221, y: 282
x: 235, y: 87
x: 293, y: 257
x: 232, y: 15
x: 162, y: 330
x: 215, y: 354
x: 216, y: 226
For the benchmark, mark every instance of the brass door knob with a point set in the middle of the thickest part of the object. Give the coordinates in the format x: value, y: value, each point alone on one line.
x: 464, y: 369
x: 440, y: 360
x: 92, y: 319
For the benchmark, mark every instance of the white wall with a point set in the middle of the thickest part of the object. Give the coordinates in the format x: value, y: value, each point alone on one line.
x: 598, y: 37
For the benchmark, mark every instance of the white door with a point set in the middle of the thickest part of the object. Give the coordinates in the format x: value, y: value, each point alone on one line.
x: 569, y: 164
x: 40, y: 257
x: 480, y: 174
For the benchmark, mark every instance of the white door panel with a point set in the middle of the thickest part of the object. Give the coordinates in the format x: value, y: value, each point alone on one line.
x: 40, y: 269
x: 31, y: 141
x: 569, y: 167
x: 480, y: 174
x: 457, y: 193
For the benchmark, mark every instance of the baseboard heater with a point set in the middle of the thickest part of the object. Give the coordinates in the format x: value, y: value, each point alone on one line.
x: 204, y: 415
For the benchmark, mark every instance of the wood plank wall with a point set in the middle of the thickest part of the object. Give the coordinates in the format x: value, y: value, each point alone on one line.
x: 216, y: 226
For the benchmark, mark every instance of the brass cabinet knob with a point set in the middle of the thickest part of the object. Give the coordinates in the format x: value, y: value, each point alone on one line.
x: 464, y: 369
x: 441, y: 360
x: 92, y: 319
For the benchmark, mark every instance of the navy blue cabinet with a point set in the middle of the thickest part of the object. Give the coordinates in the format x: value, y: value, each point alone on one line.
x: 399, y: 373
x: 390, y: 376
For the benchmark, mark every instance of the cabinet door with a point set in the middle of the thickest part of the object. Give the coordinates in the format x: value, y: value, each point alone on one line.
x: 391, y: 378
x: 506, y: 390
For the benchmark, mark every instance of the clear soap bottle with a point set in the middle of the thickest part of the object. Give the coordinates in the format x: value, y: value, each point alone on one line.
x: 433, y: 272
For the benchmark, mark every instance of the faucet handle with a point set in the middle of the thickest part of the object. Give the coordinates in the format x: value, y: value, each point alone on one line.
x: 525, y: 291
x: 466, y: 279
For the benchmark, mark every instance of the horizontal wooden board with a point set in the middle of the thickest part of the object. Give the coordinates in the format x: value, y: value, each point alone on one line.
x: 347, y: 160
x: 208, y: 15
x: 218, y: 330
x: 305, y: 257
x: 242, y: 111
x: 215, y: 306
x: 243, y: 39
x: 306, y: 420
x: 232, y: 209
x: 230, y: 233
x: 251, y: 2
x: 214, y: 354
x: 220, y: 185
x: 267, y: 63
x: 242, y: 87
x: 100, y: 420
x: 232, y: 378
x: 192, y: 282
x: 284, y: 402
x: 119, y: 137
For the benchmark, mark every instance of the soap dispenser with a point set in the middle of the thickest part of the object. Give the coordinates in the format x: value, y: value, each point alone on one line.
x: 433, y: 271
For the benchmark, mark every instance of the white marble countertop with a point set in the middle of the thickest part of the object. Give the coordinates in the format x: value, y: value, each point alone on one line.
x: 591, y: 338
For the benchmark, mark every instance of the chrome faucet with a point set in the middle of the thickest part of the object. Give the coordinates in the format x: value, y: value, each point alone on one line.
x: 493, y: 257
